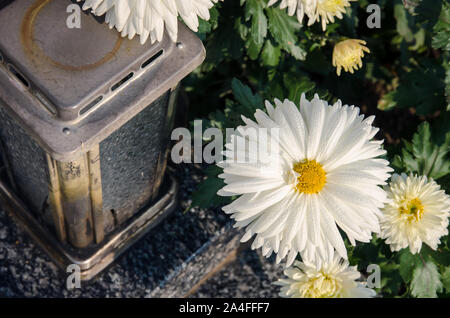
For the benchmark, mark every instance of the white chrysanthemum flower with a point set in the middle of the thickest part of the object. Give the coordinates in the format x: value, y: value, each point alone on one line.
x: 316, y: 10
x: 348, y: 55
x: 334, y: 279
x: 300, y: 8
x: 149, y: 18
x: 417, y: 213
x: 325, y: 173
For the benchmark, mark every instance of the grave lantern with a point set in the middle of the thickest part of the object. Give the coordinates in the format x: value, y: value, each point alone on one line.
x: 85, y: 124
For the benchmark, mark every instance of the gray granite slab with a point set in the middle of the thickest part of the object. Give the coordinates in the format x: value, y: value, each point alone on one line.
x: 251, y: 275
x: 167, y: 262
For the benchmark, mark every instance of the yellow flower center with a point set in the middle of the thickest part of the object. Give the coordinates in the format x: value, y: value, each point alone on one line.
x: 332, y: 6
x: 321, y: 286
x: 311, y: 177
x: 413, y: 210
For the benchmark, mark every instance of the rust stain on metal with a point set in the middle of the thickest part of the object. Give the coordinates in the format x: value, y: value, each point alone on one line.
x: 76, y: 201
x: 55, y: 200
x: 36, y: 54
x: 96, y: 193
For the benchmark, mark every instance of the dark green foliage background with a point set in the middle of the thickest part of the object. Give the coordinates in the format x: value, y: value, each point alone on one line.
x: 255, y: 53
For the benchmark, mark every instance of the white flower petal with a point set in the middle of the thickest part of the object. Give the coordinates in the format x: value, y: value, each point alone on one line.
x: 417, y: 213
x: 150, y: 17
x: 291, y: 213
x: 332, y: 278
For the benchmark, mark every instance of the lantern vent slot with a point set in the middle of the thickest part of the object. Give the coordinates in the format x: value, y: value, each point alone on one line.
x: 122, y: 81
x: 18, y: 76
x: 91, y: 105
x: 152, y: 59
x: 47, y: 105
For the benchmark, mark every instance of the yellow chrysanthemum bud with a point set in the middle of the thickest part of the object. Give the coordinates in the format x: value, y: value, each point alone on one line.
x: 348, y: 55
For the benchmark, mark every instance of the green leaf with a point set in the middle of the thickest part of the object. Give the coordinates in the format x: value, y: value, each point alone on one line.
x: 424, y: 157
x: 318, y: 62
x: 283, y: 28
x: 387, y: 102
x: 422, y: 88
x: 426, y: 281
x: 391, y: 280
x: 205, y: 195
x: 243, y: 94
x: 297, y: 86
x: 447, y: 84
x: 446, y: 279
x: 254, y: 11
x: 428, y: 11
x: 350, y: 22
x: 440, y: 256
x: 408, y: 262
x: 226, y: 41
x: 203, y: 26
x: 403, y: 22
x: 271, y: 54
x: 442, y: 29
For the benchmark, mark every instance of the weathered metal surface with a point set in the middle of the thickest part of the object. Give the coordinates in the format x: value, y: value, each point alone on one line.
x: 129, y: 159
x: 76, y: 201
x: 28, y: 161
x: 55, y: 200
x: 85, y: 121
x: 96, y: 193
x: 37, y: 34
x: 125, y: 179
x: 51, y: 88
x: 165, y: 133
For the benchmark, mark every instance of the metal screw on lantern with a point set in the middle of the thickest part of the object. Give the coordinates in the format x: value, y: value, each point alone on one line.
x: 85, y: 122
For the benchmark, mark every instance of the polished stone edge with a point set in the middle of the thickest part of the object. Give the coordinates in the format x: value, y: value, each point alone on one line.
x: 205, y: 260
